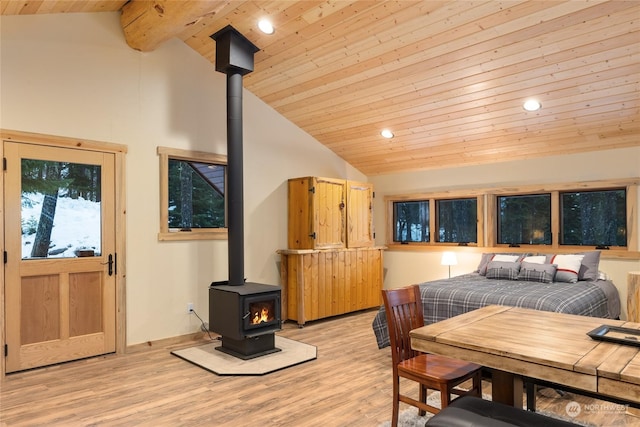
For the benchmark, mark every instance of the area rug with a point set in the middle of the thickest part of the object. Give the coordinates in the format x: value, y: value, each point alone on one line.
x: 207, y: 357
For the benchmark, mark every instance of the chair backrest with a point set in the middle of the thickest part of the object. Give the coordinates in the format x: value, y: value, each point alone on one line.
x: 403, y: 307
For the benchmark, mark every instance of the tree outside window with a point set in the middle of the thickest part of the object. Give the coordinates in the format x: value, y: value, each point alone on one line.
x: 411, y: 221
x: 457, y: 220
x: 524, y: 219
x: 594, y: 218
x: 196, y: 195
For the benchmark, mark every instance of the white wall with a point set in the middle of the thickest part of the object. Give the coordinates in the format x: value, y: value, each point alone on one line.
x: 74, y: 75
x: 403, y: 268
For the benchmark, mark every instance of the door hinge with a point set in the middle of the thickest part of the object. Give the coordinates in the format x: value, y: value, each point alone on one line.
x: 4, y: 163
x: 374, y: 194
x: 313, y: 235
x: 313, y: 190
x: 6, y: 350
x: 6, y: 257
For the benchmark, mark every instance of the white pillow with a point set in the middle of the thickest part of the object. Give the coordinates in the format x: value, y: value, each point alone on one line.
x: 540, y: 259
x: 505, y: 258
x: 568, y: 267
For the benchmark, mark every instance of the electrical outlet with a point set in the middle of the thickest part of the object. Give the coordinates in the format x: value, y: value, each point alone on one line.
x: 189, y: 307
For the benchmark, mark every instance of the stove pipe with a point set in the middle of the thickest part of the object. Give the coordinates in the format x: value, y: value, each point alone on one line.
x: 234, y: 57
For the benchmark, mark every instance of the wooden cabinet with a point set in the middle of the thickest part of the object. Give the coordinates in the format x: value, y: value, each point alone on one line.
x: 331, y: 266
x: 323, y: 283
x: 327, y: 213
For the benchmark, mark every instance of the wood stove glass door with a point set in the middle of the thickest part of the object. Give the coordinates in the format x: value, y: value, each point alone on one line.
x: 61, y: 266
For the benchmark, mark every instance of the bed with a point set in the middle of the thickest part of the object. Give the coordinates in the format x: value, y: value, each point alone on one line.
x: 577, y: 289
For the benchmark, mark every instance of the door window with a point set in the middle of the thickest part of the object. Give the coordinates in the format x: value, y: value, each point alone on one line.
x: 60, y: 209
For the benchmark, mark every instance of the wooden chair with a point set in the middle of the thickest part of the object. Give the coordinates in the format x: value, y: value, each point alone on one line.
x: 403, y: 308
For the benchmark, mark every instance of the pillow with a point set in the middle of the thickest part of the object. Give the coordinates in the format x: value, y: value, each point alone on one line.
x: 484, y: 261
x: 540, y: 259
x: 568, y: 267
x: 590, y: 265
x: 488, y: 257
x: 503, y: 270
x: 537, y: 272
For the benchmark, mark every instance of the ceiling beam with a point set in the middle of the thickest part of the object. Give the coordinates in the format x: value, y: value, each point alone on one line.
x: 147, y: 24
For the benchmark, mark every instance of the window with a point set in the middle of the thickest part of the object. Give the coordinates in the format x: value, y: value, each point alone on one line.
x: 192, y: 195
x: 436, y: 219
x: 600, y: 214
x: 61, y: 213
x: 595, y: 218
x: 411, y: 221
x: 524, y: 219
x: 566, y: 216
x: 457, y: 220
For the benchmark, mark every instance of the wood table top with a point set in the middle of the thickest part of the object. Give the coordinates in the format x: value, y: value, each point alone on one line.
x: 549, y: 346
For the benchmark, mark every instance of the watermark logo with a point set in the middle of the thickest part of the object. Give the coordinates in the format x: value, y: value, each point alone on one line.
x: 573, y: 409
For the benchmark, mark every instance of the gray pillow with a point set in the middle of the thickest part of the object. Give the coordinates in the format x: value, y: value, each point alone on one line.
x: 487, y: 257
x: 531, y: 272
x: 503, y: 270
x: 590, y: 265
x: 484, y: 261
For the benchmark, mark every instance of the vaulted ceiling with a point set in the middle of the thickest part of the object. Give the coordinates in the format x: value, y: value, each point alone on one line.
x: 448, y: 78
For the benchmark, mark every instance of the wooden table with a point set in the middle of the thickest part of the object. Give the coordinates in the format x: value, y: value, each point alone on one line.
x: 553, y: 347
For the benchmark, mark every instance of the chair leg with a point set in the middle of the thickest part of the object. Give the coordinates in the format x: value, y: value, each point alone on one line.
x: 423, y: 399
x: 445, y: 396
x: 396, y: 401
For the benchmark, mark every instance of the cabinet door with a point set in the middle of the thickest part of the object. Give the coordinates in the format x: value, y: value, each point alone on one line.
x: 328, y: 204
x: 359, y: 214
x: 300, y: 214
x: 317, y: 213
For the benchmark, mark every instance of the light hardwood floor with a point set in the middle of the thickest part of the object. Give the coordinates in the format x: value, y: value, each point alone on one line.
x: 348, y: 385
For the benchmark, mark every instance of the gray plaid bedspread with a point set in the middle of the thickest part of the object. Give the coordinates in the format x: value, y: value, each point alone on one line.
x: 442, y: 299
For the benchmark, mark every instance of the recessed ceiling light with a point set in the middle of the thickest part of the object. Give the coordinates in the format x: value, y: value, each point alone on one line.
x: 532, y: 105
x: 387, y: 133
x: 266, y: 26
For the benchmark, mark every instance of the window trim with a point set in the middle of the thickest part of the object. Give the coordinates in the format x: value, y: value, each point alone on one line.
x: 487, y: 216
x: 165, y: 234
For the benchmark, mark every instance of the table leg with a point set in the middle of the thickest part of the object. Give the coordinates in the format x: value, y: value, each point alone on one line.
x: 506, y: 388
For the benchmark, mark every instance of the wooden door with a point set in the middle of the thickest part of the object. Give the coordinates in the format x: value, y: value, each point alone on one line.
x: 359, y: 214
x: 59, y: 284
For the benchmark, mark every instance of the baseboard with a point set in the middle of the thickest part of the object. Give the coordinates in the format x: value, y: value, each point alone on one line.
x: 166, y: 342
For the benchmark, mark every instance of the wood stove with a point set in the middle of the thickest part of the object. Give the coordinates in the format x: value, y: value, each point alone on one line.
x: 246, y: 315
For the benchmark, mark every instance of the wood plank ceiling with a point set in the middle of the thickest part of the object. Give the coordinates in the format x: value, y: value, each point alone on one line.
x: 447, y: 77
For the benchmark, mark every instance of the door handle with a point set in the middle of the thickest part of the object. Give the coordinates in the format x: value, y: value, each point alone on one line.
x: 111, y: 262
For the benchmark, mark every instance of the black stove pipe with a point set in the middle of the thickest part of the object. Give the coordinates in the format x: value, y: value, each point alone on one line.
x: 234, y: 57
x: 235, y: 190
